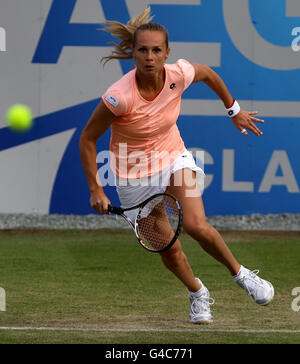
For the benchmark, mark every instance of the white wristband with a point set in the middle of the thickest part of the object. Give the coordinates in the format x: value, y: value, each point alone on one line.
x: 233, y: 110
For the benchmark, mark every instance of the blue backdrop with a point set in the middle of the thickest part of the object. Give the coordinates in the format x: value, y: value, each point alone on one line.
x: 248, y: 174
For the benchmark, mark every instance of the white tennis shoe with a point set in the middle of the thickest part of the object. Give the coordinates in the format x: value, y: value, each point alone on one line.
x: 200, y: 306
x: 259, y: 289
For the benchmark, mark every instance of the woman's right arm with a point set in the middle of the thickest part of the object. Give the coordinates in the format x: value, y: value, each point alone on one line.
x: 99, y: 122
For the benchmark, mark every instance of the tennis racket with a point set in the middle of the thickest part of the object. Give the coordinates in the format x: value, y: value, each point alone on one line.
x: 158, y: 221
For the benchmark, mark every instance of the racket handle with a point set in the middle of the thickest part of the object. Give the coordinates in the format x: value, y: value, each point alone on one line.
x: 115, y: 209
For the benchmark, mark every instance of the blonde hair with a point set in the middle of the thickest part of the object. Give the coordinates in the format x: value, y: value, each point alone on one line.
x: 128, y: 34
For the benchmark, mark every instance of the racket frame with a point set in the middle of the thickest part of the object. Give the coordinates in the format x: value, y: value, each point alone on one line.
x: 119, y: 211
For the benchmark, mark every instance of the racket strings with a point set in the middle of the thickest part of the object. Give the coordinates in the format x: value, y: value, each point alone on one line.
x: 158, y: 222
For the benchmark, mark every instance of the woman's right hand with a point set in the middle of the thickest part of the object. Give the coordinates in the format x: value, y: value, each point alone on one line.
x: 99, y: 202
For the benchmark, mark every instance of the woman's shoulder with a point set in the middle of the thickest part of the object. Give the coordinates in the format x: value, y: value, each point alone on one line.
x: 124, y: 83
x: 180, y: 66
x: 182, y: 70
x: 118, y: 97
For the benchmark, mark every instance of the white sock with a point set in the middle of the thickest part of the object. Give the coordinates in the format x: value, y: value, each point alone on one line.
x: 200, y: 290
x: 239, y: 273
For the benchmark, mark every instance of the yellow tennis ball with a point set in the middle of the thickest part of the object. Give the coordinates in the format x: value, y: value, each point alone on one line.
x: 19, y: 117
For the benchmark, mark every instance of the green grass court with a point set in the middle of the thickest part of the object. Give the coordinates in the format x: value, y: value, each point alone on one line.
x: 105, y: 288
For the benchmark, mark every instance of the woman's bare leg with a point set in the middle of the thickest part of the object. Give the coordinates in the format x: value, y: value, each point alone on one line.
x: 176, y: 261
x: 194, y: 219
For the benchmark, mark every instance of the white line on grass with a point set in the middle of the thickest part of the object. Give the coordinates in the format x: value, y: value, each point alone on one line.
x: 82, y: 329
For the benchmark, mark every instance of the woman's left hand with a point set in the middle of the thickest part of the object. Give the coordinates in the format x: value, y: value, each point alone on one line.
x: 245, y: 120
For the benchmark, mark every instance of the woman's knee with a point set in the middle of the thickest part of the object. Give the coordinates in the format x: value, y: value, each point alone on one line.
x: 198, y: 229
x: 174, y: 254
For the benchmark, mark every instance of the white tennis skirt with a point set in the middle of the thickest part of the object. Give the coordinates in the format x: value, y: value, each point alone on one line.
x: 134, y: 191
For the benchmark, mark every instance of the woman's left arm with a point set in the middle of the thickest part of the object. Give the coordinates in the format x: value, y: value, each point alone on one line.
x: 242, y: 120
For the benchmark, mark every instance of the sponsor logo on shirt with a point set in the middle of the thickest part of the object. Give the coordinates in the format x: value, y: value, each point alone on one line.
x: 112, y: 100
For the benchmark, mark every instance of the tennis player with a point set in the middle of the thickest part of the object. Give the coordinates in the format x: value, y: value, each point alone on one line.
x: 142, y: 109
